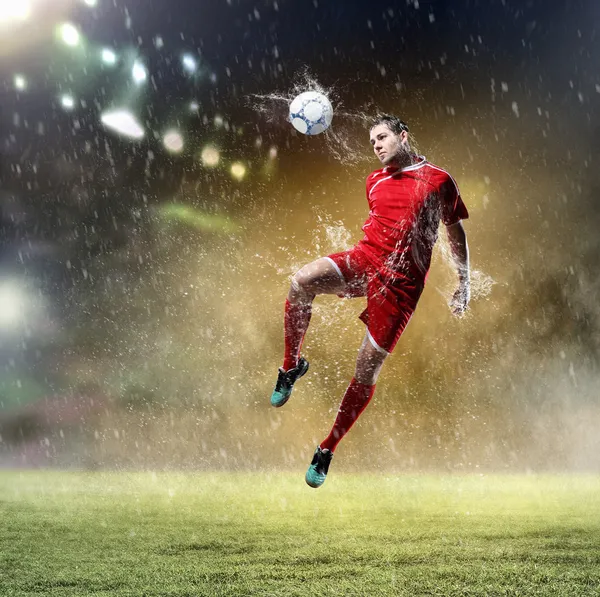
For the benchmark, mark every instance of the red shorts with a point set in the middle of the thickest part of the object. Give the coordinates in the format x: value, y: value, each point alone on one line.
x: 391, y: 300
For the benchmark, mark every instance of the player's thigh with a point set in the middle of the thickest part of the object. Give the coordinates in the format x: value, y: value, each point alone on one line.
x: 369, y: 362
x: 319, y: 277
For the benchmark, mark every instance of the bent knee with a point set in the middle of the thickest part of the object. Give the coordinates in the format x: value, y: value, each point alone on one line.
x: 301, y: 285
x: 303, y: 278
x: 368, y: 364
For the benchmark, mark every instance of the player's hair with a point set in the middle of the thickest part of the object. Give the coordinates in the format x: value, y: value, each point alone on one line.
x: 395, y: 124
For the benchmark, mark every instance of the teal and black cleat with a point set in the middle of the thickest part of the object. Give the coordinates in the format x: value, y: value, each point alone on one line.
x: 285, y: 382
x: 317, y: 471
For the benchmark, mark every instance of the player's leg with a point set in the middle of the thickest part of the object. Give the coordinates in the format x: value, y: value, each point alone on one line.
x: 356, y: 398
x: 319, y: 277
x: 358, y: 394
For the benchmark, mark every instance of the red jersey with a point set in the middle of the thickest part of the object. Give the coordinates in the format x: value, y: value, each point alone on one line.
x: 405, y: 209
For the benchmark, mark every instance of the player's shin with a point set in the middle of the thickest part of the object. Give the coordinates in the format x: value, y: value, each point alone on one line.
x: 355, y: 400
x: 296, y: 320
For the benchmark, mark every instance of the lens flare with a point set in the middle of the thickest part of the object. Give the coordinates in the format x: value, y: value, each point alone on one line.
x: 210, y: 156
x: 123, y: 122
x: 196, y: 218
x: 14, y: 11
x: 108, y: 56
x: 238, y: 170
x: 139, y: 72
x: 67, y: 102
x: 20, y: 82
x: 173, y: 141
x: 11, y: 305
x: 189, y: 63
x: 69, y: 34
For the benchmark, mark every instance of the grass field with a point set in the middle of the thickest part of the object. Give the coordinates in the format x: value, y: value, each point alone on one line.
x: 269, y: 534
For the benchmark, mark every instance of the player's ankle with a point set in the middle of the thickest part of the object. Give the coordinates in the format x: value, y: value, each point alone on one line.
x: 289, y: 364
x: 327, y: 446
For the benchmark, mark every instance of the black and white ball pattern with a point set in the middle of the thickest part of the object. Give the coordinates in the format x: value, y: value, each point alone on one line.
x: 311, y: 113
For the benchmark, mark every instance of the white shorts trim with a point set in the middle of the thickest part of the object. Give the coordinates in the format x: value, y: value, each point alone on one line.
x: 375, y: 345
x: 337, y: 269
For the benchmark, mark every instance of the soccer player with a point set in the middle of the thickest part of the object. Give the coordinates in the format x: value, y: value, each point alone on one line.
x: 407, y: 199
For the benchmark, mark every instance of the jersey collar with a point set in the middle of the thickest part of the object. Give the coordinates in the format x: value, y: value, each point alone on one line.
x: 421, y: 159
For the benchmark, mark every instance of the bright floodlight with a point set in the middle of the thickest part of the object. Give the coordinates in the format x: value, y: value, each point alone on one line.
x: 210, y: 156
x: 238, y: 171
x: 11, y: 305
x: 139, y: 72
x: 67, y: 102
x: 189, y: 64
x: 69, y: 34
x: 173, y: 141
x: 90, y: 2
x: 108, y: 56
x: 194, y: 106
x: 123, y: 122
x: 273, y: 152
x: 14, y: 10
x: 20, y: 82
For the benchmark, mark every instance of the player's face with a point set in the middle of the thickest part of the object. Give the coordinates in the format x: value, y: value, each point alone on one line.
x: 391, y: 149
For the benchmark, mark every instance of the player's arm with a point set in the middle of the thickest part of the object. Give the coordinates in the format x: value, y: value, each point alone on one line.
x: 457, y: 238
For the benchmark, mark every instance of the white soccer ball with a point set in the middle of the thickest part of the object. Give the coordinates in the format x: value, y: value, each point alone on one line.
x: 311, y: 113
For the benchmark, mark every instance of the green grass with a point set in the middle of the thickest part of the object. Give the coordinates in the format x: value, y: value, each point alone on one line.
x: 173, y: 534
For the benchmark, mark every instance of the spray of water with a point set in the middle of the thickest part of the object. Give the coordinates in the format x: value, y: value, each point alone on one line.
x: 481, y: 283
x: 345, y: 138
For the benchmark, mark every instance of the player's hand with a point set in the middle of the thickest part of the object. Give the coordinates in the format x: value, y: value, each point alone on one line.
x: 460, y: 299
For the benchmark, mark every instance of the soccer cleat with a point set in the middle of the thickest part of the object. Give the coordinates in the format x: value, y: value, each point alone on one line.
x: 285, y: 382
x: 317, y: 471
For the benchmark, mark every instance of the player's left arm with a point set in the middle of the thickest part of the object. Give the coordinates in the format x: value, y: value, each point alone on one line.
x: 457, y: 238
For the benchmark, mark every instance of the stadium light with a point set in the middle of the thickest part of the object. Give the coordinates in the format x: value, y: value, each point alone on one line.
x: 123, y: 122
x: 173, y: 141
x: 210, y: 156
x: 238, y: 171
x: 189, y: 63
x: 12, y: 299
x: 14, y: 11
x: 67, y: 102
x: 69, y: 34
x: 139, y: 72
x: 108, y: 56
x: 20, y: 82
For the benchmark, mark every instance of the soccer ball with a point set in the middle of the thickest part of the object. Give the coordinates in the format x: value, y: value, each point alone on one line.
x: 311, y: 113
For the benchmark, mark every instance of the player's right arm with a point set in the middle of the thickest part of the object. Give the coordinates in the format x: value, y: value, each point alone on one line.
x: 453, y: 211
x: 457, y: 238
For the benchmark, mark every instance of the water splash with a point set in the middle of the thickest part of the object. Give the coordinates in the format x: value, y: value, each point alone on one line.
x: 331, y: 235
x: 346, y: 138
x: 481, y: 283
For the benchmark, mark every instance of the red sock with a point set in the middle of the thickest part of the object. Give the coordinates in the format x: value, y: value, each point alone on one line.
x: 355, y: 400
x: 296, y: 320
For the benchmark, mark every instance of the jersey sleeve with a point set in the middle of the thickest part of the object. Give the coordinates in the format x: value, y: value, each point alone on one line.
x: 453, y: 208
